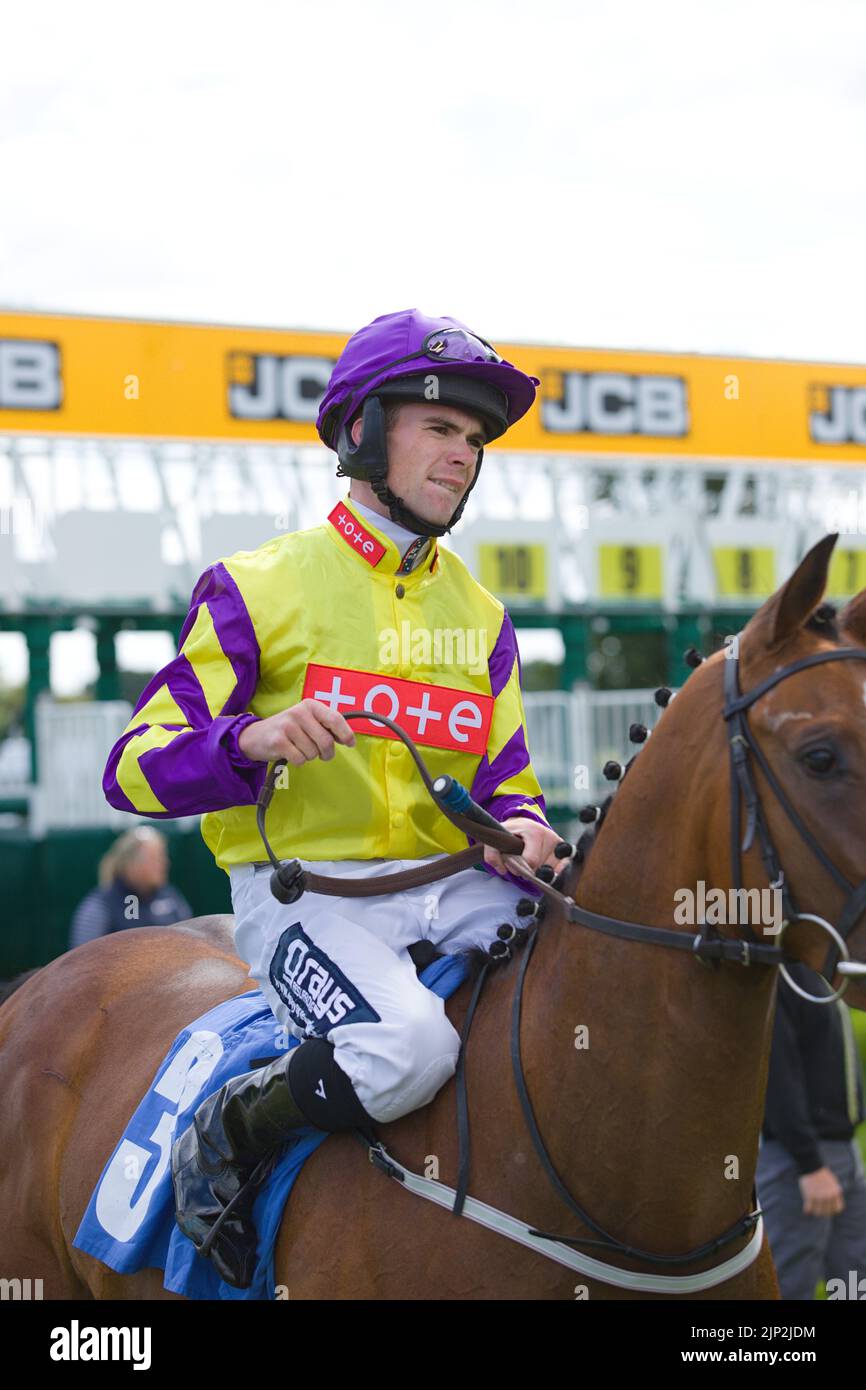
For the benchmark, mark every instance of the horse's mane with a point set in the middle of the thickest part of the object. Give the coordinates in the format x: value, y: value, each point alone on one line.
x: 823, y: 622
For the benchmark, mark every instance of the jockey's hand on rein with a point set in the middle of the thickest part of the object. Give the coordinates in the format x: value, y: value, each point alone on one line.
x: 299, y: 734
x: 539, y: 843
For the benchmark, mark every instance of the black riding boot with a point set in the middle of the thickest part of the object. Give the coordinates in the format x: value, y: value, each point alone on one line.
x: 238, y: 1127
x: 213, y: 1161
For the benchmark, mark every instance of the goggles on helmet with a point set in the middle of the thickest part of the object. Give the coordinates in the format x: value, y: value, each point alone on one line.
x: 443, y: 345
x: 457, y: 345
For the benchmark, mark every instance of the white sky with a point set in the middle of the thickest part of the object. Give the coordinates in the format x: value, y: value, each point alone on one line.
x: 670, y: 175
x: 640, y: 174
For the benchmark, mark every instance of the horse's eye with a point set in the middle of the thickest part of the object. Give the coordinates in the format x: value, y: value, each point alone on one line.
x: 820, y: 760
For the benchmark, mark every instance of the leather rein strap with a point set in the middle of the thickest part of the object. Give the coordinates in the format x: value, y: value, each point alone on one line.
x: 393, y: 883
x: 487, y: 830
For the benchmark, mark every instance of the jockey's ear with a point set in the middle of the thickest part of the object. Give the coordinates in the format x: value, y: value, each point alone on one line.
x: 782, y: 616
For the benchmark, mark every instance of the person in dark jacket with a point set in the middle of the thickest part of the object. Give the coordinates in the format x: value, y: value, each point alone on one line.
x: 810, y: 1177
x: 134, y: 890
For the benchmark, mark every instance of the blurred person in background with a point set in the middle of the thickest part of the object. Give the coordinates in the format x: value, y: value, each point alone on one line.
x: 810, y: 1179
x: 133, y: 889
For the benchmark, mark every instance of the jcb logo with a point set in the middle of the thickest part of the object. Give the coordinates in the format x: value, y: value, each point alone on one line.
x: 29, y: 375
x: 838, y: 415
x: 614, y: 403
x: 263, y: 386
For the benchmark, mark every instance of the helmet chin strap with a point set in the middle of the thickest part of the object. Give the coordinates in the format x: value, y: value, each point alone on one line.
x: 404, y: 516
x: 400, y: 512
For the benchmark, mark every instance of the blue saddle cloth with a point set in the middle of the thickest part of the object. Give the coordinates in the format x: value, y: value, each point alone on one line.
x: 129, y: 1222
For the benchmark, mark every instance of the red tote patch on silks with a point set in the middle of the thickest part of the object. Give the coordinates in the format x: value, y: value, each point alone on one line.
x: 436, y: 715
x: 355, y: 536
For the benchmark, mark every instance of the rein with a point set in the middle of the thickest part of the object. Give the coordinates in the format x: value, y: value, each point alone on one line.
x: 289, y: 880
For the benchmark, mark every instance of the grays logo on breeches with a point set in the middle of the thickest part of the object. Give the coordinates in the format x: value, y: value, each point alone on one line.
x: 316, y: 993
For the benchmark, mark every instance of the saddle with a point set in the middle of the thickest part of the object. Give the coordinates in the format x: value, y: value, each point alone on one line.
x: 129, y: 1223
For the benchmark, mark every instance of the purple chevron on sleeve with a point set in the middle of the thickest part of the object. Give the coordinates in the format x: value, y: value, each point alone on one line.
x: 511, y: 760
x: 202, y: 769
x: 501, y: 660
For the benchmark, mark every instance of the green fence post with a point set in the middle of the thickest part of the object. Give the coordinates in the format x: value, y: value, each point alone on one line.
x: 576, y: 640
x: 37, y: 632
x: 108, y: 680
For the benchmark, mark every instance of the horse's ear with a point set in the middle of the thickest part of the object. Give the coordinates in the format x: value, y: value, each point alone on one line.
x: 786, y: 612
x: 853, y: 617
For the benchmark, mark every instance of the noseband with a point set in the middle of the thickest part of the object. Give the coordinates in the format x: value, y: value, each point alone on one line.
x: 744, y: 793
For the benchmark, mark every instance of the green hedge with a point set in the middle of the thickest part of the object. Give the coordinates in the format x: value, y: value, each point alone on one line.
x: 43, y: 881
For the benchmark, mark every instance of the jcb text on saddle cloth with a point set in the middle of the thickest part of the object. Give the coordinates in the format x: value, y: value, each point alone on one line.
x: 312, y: 615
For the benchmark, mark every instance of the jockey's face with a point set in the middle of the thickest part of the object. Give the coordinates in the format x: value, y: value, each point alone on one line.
x: 432, y: 457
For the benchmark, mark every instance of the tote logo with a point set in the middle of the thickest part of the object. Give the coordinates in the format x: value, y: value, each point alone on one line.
x: 838, y: 415
x: 352, y: 531
x: 29, y: 375
x: 265, y: 386
x: 435, y: 715
x: 615, y: 403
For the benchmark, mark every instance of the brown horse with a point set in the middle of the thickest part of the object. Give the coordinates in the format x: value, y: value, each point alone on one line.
x: 646, y: 1069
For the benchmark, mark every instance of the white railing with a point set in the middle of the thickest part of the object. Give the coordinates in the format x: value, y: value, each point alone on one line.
x: 15, y: 780
x: 14, y: 762
x: 73, y: 740
x: 558, y: 731
x: 572, y: 735
x: 612, y: 712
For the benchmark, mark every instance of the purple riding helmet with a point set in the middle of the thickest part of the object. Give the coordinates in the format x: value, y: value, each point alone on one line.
x: 410, y: 357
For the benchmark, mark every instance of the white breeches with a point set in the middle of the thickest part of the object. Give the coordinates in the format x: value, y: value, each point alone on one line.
x: 339, y: 969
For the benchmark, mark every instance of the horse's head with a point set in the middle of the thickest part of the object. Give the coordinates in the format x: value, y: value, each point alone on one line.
x: 809, y: 730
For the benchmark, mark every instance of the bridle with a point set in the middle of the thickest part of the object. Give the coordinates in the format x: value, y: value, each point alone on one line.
x: 744, y: 793
x: 707, y: 946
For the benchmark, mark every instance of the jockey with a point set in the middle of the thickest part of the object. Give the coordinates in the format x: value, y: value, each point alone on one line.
x: 363, y: 611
